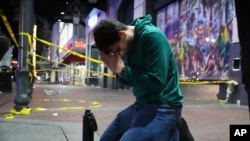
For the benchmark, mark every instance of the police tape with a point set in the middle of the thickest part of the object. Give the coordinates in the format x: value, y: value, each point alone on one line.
x: 89, y: 58
x: 27, y: 110
x: 93, y: 104
x: 111, y: 75
x: 68, y: 51
x: 91, y: 71
x: 53, y: 70
x: 30, y: 72
x: 204, y: 82
x: 8, y: 27
x: 62, y: 48
x: 5, y: 20
x: 201, y: 82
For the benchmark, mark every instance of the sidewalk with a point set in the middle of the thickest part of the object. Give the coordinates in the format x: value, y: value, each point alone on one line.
x: 208, y: 119
x: 39, y: 130
x: 49, y: 125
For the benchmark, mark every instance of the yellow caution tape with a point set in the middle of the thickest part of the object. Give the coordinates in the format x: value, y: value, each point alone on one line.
x: 94, y: 72
x: 40, y: 70
x: 100, y: 62
x: 27, y: 110
x: 23, y: 111
x: 94, y: 104
x: 62, y: 48
x: 63, y: 100
x: 7, y: 25
x: 68, y: 51
x: 204, y: 81
x: 222, y: 101
x: 30, y: 72
x: 53, y: 109
x: 29, y: 37
x: 81, y: 100
x: 50, y: 44
x: 83, y: 56
x: 71, y: 108
x: 39, y: 109
x: 9, y: 116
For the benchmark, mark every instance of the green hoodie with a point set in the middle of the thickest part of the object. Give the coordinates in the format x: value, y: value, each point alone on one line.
x: 150, y: 66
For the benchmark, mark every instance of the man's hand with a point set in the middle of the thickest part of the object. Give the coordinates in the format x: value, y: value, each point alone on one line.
x: 113, y: 61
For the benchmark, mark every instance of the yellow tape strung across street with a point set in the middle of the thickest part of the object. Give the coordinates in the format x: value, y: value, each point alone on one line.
x: 26, y: 111
x: 204, y: 82
x: 94, y: 104
x: 68, y: 51
x: 7, y: 25
x: 40, y: 70
x: 30, y: 72
x: 62, y: 48
x: 111, y: 75
x: 95, y: 72
x: 89, y: 58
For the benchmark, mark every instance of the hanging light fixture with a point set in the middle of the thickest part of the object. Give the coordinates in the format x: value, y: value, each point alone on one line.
x: 74, y: 13
x: 76, y: 16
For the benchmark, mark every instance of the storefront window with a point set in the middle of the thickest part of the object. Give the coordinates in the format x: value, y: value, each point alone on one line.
x: 95, y: 67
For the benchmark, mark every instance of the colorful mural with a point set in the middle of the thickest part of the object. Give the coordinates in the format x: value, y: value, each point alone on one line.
x: 200, y: 33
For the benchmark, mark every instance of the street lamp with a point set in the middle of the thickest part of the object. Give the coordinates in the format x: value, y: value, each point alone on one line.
x: 76, y: 16
x: 74, y: 13
x: 22, y: 98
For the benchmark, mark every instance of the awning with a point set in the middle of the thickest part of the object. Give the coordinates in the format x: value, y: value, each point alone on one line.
x: 72, y: 58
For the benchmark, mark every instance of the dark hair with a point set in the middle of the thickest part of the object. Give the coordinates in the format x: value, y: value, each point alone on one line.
x: 106, y: 33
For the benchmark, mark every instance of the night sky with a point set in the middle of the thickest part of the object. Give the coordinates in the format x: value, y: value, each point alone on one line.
x: 5, y: 6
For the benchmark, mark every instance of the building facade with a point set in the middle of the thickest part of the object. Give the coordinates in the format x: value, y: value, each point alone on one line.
x: 200, y: 34
x: 68, y: 68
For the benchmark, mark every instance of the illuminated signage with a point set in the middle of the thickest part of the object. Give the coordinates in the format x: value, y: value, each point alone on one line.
x: 79, y: 44
x: 69, y: 46
x: 92, y: 21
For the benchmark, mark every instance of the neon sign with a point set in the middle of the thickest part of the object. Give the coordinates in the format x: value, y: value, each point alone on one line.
x: 79, y: 44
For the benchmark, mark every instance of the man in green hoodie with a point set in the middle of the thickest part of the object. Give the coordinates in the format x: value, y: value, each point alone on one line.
x: 140, y: 55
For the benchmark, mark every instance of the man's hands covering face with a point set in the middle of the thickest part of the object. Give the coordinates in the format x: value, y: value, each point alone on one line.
x: 113, y: 61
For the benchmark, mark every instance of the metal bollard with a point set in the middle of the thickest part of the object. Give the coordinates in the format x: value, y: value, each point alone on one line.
x: 184, y: 132
x: 89, y: 126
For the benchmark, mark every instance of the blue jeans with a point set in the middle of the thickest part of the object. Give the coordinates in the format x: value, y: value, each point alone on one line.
x: 144, y: 123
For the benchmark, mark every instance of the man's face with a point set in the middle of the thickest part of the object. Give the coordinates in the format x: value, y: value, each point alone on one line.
x: 117, y: 48
x: 113, y: 49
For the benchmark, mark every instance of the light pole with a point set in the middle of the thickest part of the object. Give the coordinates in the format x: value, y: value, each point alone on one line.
x: 22, y: 97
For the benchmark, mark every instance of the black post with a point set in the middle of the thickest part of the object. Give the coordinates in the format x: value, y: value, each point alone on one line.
x: 105, y: 78
x: 243, y: 33
x: 89, y: 126
x: 22, y: 97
